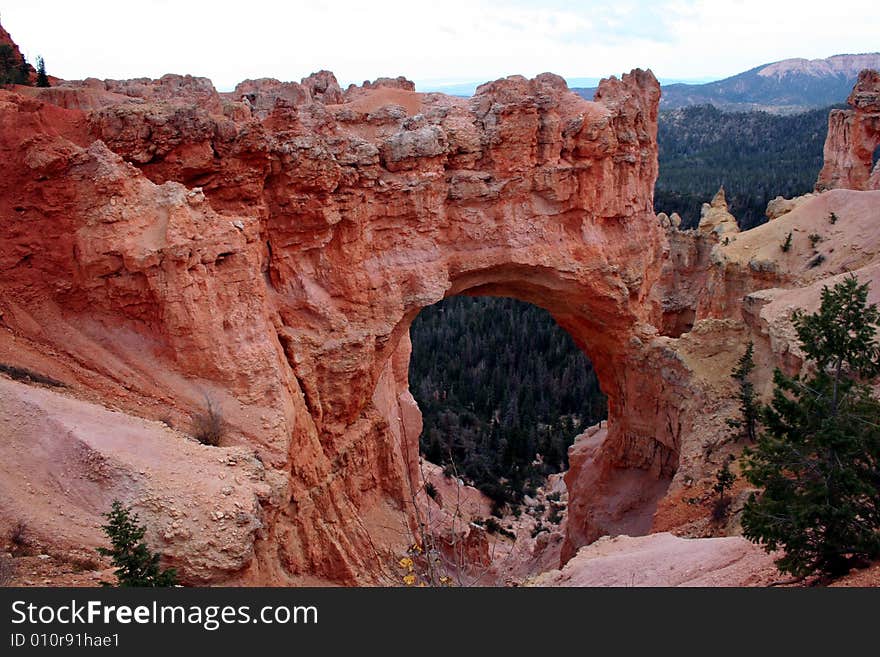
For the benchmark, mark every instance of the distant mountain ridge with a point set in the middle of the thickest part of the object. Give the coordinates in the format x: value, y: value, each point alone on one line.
x: 468, y: 88
x: 785, y: 87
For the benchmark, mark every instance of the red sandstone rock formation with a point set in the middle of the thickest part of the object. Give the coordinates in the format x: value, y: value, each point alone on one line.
x: 86, y: 453
x: 715, y: 217
x: 282, y: 259
x: 399, y: 82
x: 726, y: 294
x: 853, y: 136
x: 323, y: 87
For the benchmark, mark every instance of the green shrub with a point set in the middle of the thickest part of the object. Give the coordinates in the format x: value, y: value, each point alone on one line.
x: 817, y: 460
x: 815, y: 261
x: 494, y: 527
x: 786, y: 245
x: 19, y: 543
x: 135, y: 564
x: 13, y: 70
x: 555, y: 515
x: 745, y: 426
x: 724, y: 479
x: 26, y: 375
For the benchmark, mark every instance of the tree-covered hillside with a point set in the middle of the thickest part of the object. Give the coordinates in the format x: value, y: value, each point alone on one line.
x: 14, y: 69
x: 755, y: 155
x: 500, y: 386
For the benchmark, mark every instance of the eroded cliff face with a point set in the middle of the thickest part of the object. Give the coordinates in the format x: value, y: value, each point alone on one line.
x: 853, y: 137
x: 719, y: 294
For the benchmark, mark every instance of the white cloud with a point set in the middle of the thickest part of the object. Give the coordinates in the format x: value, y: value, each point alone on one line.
x: 453, y: 39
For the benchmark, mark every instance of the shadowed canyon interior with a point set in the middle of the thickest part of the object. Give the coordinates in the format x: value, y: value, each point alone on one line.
x: 503, y: 391
x: 269, y: 248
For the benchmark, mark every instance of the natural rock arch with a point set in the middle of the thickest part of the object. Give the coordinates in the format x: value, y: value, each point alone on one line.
x: 286, y: 272
x: 555, y: 210
x: 617, y: 480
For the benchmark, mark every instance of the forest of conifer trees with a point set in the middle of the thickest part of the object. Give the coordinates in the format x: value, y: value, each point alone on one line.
x: 503, y: 392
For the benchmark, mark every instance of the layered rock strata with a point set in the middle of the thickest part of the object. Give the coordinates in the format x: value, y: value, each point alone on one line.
x: 853, y: 139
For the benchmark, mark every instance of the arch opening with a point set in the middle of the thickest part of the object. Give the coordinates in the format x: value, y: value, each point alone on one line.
x: 503, y: 392
x: 620, y: 469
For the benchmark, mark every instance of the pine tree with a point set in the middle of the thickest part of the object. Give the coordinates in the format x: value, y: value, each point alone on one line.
x: 818, y: 461
x: 749, y: 408
x: 24, y: 72
x: 135, y: 564
x: 724, y: 479
x: 42, y: 78
x: 7, y: 64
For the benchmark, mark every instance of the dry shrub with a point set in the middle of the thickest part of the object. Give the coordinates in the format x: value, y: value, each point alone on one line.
x: 27, y: 376
x: 18, y: 539
x: 209, y: 427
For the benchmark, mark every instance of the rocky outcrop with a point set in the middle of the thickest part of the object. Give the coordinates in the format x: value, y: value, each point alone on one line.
x: 715, y: 217
x: 399, y: 82
x: 780, y: 206
x: 853, y: 137
x: 324, y: 88
x: 669, y: 221
x: 746, y: 290
x: 86, y: 454
x: 6, y: 40
x: 261, y: 97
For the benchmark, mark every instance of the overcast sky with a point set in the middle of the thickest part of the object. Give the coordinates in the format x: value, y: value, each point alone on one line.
x: 449, y: 40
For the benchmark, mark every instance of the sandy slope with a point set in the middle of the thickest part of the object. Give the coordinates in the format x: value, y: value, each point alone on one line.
x: 665, y: 560
x: 63, y: 461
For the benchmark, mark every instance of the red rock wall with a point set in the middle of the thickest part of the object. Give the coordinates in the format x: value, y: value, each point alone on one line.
x: 853, y: 136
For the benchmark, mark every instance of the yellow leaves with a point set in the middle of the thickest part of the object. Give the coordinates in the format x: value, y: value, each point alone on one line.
x: 409, y: 565
x: 420, y: 568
